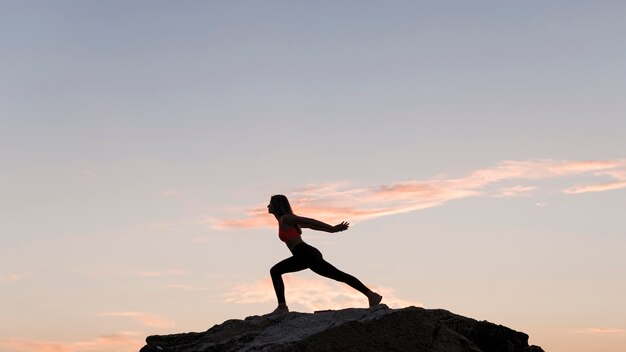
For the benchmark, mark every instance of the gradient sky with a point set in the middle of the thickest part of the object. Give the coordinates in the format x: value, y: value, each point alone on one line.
x: 476, y: 147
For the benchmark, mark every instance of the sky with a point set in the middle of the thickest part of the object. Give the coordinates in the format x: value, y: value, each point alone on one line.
x: 476, y: 148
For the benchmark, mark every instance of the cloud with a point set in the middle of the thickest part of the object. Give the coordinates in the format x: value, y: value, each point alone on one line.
x: 312, y: 294
x: 598, y: 187
x: 120, y: 342
x: 9, y: 278
x: 338, y: 201
x: 515, y: 191
x: 257, y: 217
x: 601, y: 331
x: 143, y: 318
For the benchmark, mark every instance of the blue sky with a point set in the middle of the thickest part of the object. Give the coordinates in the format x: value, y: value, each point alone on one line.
x: 488, y: 137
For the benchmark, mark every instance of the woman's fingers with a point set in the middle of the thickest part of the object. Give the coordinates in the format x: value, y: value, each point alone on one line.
x: 343, y: 226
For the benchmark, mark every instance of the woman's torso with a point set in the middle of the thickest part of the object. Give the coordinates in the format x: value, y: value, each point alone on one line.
x: 289, y: 234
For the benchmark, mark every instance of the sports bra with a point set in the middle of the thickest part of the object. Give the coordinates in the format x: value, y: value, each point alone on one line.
x: 287, y: 233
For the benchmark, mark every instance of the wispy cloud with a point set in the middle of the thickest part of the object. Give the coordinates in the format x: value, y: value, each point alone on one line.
x: 601, y: 331
x: 143, y: 318
x: 9, y: 278
x: 121, y: 342
x: 598, y: 187
x: 312, y: 294
x: 341, y: 200
x: 515, y: 191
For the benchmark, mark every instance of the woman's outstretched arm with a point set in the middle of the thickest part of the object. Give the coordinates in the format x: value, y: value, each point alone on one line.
x: 314, y: 224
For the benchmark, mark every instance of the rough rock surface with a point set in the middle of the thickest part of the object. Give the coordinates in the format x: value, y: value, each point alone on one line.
x: 363, y: 330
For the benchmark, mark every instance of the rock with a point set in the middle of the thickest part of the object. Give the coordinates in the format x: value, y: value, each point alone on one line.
x: 363, y: 330
x: 535, y: 349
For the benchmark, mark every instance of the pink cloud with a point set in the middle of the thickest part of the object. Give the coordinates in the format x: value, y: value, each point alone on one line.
x: 143, y: 318
x: 601, y: 331
x: 121, y: 342
x: 515, y: 191
x: 255, y: 220
x: 339, y: 201
x: 9, y: 278
x: 311, y: 294
x: 590, y: 165
x: 598, y: 187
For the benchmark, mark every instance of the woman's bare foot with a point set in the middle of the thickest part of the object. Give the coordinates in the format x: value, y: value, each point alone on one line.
x: 281, y: 309
x: 374, y: 298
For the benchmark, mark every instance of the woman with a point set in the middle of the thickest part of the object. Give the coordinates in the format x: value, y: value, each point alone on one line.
x: 305, y: 256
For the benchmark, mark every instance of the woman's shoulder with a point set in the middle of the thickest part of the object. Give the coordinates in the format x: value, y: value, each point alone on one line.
x: 289, y: 219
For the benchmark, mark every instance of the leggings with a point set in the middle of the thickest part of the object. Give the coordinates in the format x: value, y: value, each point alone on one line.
x: 308, y: 257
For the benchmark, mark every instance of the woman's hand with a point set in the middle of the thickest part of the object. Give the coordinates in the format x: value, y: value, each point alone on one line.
x: 341, y: 227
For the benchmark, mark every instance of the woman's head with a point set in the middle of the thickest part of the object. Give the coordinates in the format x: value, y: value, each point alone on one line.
x: 279, y: 205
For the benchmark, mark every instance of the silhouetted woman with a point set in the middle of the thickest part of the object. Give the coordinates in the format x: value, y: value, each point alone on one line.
x: 305, y: 256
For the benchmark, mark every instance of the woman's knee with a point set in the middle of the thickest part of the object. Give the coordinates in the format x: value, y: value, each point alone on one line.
x: 275, y: 271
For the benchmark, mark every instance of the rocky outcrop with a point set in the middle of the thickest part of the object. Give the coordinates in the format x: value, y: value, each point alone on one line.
x: 362, y: 330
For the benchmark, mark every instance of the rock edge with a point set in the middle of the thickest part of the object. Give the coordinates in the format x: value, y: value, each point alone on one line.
x: 353, y: 329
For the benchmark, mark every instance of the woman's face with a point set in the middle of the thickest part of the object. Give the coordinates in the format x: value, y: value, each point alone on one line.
x: 270, y: 208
